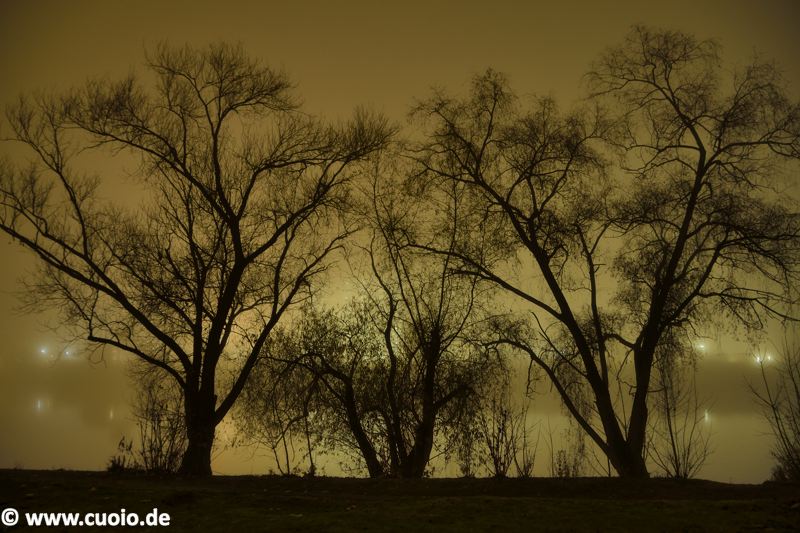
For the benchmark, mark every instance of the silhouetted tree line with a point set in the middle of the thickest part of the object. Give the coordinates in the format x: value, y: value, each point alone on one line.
x: 593, y: 242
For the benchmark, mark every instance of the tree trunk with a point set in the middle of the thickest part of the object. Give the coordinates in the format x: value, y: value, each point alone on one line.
x: 628, y: 460
x: 420, y: 453
x: 200, y: 429
x: 630, y: 451
x: 631, y: 465
x: 413, y: 463
x: 197, y: 457
x: 374, y: 466
x: 625, y: 450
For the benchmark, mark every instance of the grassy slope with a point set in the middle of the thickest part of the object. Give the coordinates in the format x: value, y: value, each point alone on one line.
x: 240, y: 503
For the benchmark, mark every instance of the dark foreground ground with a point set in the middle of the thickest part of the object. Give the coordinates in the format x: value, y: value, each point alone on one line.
x: 245, y: 503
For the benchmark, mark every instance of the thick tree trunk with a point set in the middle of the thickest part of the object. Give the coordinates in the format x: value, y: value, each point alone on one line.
x: 421, y: 453
x: 630, y: 451
x: 412, y: 464
x: 627, y: 458
x: 625, y: 450
x: 629, y: 463
x: 200, y: 429
x: 416, y: 461
x: 197, y: 457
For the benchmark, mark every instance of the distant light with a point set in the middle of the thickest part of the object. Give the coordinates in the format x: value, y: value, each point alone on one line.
x: 43, y: 350
x: 39, y: 405
x: 111, y: 414
x: 706, y: 417
x: 762, y: 358
x: 701, y: 346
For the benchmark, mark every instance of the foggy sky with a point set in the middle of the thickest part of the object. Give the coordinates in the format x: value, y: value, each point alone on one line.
x: 70, y: 413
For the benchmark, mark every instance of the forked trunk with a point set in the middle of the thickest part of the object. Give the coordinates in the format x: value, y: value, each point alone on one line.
x: 627, y: 458
x: 629, y: 463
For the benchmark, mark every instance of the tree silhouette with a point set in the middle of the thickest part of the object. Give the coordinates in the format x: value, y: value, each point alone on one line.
x: 428, y: 320
x: 680, y: 430
x: 622, y: 232
x: 392, y: 366
x: 335, y: 359
x: 778, y: 394
x: 158, y: 411
x: 239, y: 215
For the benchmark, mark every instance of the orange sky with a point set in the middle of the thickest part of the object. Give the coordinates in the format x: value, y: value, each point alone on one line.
x: 60, y: 414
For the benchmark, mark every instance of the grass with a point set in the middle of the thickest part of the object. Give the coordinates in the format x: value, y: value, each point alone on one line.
x: 250, y: 503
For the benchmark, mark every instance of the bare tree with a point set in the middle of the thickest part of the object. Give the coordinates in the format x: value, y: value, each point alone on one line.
x: 502, y: 429
x: 428, y: 320
x: 465, y: 438
x: 571, y: 458
x: 240, y: 195
x: 525, y: 458
x: 779, y: 396
x: 340, y: 353
x: 680, y: 435
x: 276, y: 409
x: 395, y: 364
x: 612, y: 259
x: 159, y: 414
